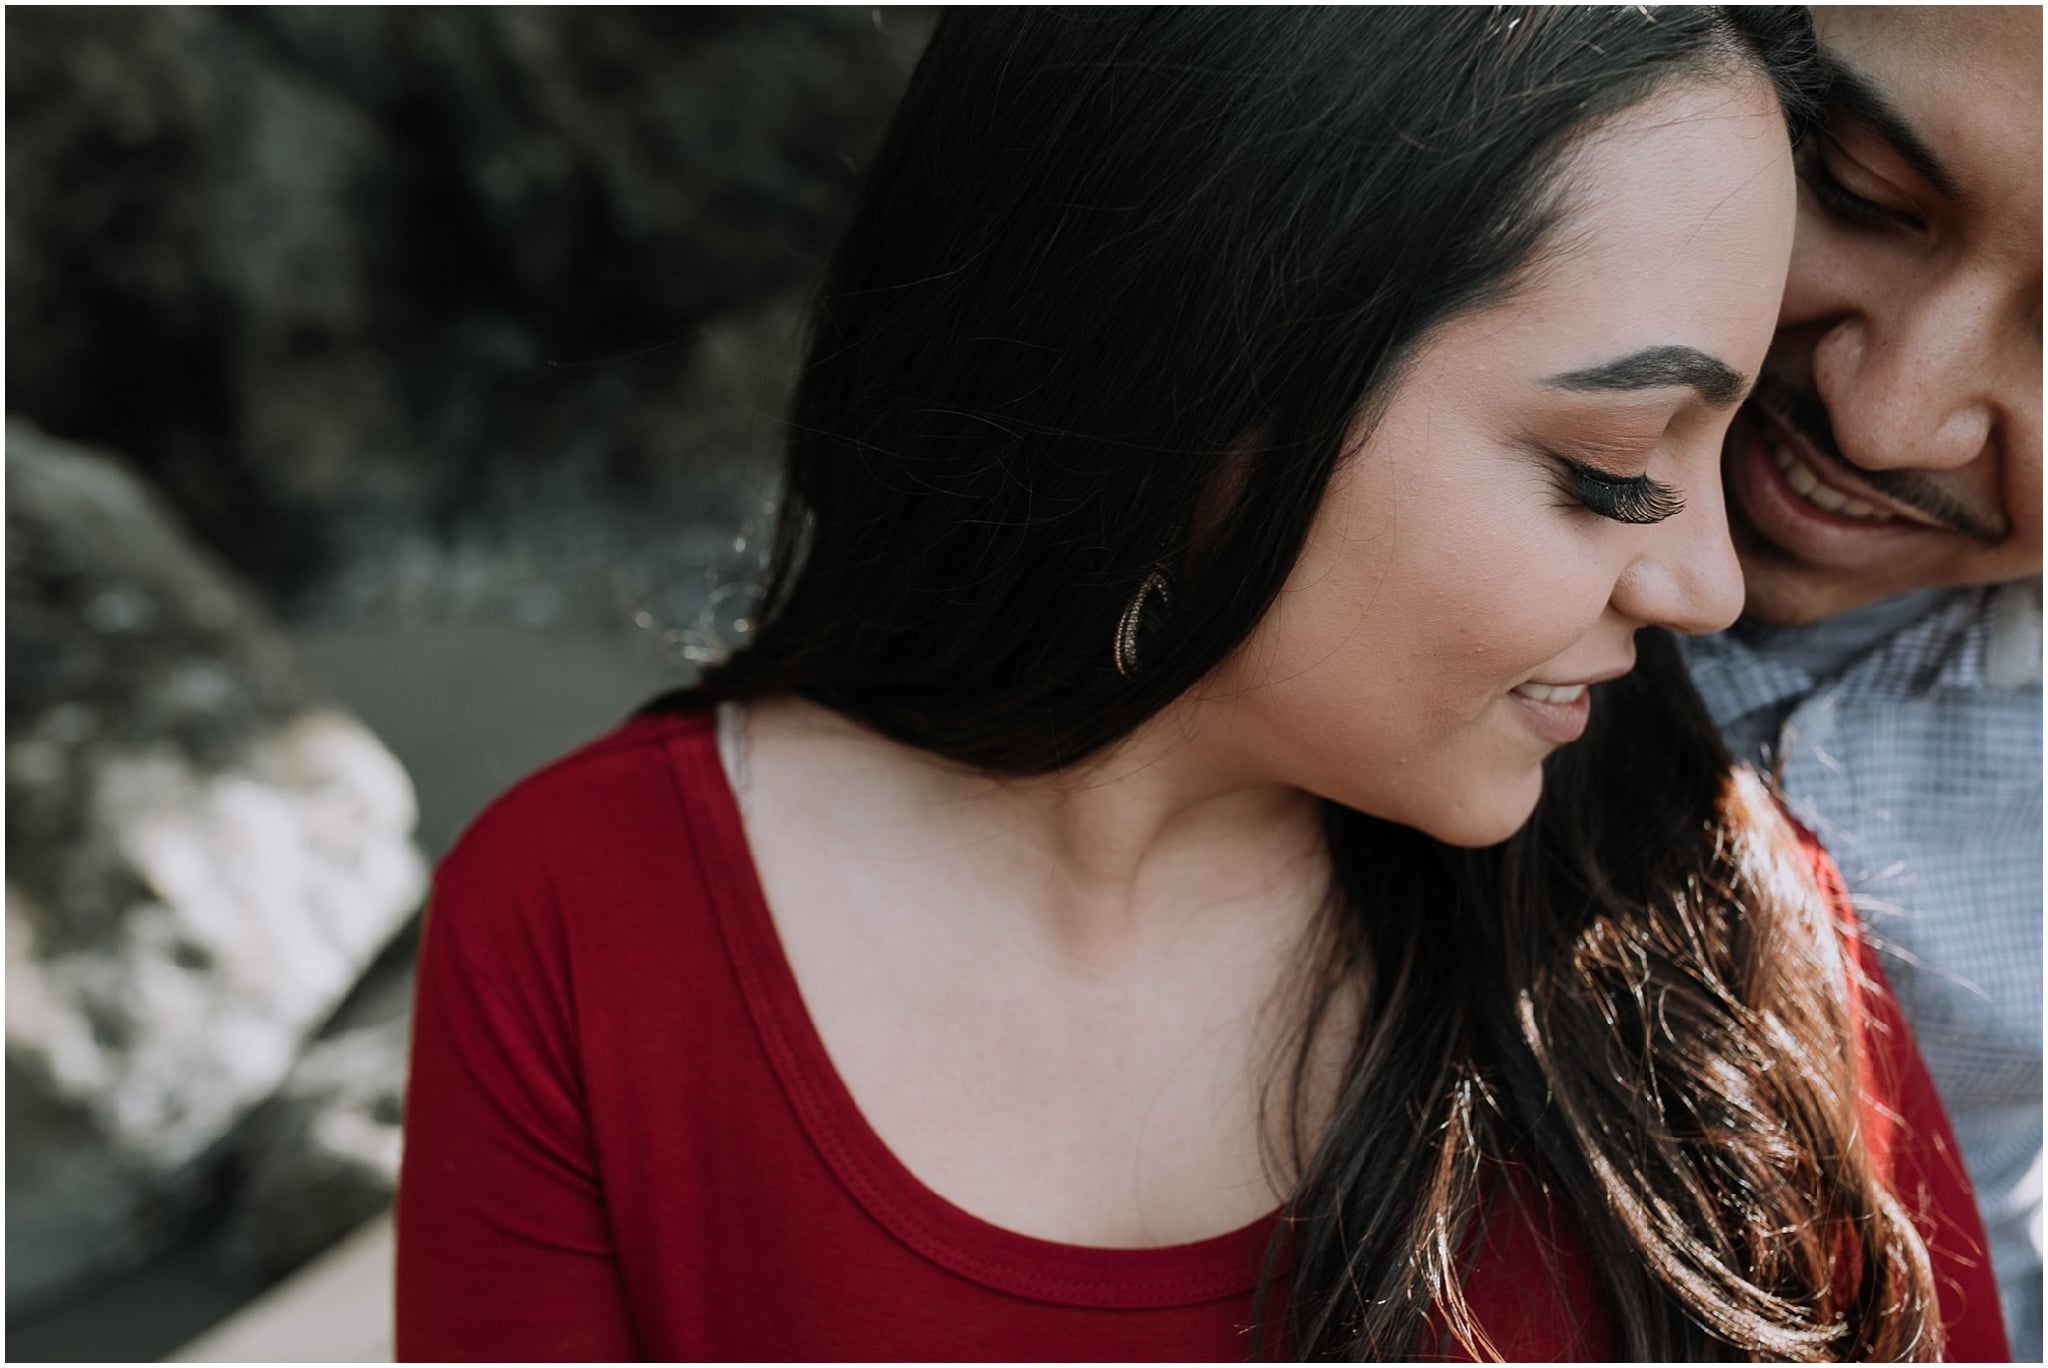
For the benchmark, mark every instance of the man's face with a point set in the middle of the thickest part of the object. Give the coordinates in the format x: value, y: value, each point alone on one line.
x: 1894, y: 441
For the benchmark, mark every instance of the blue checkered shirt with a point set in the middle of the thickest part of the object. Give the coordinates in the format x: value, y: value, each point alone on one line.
x: 1917, y: 760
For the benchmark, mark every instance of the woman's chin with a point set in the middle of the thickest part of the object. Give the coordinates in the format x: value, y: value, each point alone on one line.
x: 1483, y: 815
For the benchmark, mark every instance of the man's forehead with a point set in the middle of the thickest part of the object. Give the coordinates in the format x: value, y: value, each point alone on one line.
x: 1937, y: 33
x: 1982, y: 54
x: 1962, y: 85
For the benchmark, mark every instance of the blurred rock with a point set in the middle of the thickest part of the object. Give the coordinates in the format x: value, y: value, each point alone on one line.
x: 567, y: 550
x: 203, y: 855
x: 321, y: 1156
x: 350, y: 282
x: 414, y: 316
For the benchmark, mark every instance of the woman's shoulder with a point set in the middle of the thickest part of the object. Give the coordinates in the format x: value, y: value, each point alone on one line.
x: 628, y: 757
x: 620, y: 786
x: 612, y: 837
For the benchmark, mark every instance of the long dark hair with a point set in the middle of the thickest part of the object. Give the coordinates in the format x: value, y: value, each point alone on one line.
x: 1121, y: 284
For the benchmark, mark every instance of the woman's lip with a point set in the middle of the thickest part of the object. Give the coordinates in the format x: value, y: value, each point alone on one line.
x: 1587, y: 682
x: 1558, y: 723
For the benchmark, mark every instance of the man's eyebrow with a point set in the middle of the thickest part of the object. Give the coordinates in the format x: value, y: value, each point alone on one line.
x: 1852, y: 95
x: 1719, y: 383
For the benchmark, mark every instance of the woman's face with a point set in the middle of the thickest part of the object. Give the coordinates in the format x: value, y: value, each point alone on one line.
x: 1468, y: 573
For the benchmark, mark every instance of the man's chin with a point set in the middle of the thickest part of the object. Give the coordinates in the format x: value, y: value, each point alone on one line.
x: 1783, y: 596
x: 1779, y: 591
x: 1778, y: 588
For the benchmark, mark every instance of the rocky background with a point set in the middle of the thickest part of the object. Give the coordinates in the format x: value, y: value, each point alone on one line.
x: 393, y: 397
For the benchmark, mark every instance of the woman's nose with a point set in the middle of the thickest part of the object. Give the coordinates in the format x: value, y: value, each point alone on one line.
x: 1687, y: 577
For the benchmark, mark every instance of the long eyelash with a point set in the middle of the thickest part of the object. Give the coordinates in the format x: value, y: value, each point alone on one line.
x: 1636, y: 500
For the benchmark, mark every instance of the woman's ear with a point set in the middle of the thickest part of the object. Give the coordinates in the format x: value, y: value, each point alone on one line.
x: 1219, y: 499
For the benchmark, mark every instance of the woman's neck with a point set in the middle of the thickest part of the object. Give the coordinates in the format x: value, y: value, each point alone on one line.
x: 1160, y: 837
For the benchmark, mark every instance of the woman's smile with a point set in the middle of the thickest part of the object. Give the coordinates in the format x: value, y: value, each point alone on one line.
x: 1543, y: 483
x: 1558, y: 711
x: 1557, y: 715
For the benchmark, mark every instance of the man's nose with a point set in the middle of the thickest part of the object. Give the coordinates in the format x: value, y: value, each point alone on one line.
x: 1916, y: 383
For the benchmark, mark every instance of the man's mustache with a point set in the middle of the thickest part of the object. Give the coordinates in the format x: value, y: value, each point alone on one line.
x: 1923, y: 490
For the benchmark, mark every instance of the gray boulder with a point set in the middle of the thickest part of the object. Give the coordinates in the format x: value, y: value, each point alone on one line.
x: 342, y: 280
x: 321, y: 1156
x: 203, y: 856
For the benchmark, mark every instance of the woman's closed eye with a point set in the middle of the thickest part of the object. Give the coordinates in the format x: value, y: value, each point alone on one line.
x: 1624, y: 498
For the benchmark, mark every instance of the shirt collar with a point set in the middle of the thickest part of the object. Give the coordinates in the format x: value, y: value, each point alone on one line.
x: 1975, y: 638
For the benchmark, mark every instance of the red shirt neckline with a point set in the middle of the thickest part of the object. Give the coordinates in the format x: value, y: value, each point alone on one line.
x: 1222, y: 1266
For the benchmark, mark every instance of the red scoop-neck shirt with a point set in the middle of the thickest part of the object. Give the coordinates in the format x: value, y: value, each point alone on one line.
x: 625, y: 1140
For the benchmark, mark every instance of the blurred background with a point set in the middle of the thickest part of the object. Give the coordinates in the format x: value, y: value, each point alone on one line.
x: 393, y: 398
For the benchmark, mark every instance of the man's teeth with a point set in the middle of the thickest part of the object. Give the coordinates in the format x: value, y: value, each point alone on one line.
x: 1802, y: 478
x: 1551, y: 693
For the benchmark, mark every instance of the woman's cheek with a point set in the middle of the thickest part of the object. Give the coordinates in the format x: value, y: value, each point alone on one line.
x: 1546, y: 598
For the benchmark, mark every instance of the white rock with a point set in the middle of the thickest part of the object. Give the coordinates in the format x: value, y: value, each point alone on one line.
x: 203, y: 857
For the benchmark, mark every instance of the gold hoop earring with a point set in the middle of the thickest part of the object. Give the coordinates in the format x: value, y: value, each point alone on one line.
x: 1134, y: 622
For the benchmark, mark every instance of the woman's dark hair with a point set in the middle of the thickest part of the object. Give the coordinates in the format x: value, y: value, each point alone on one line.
x: 1122, y: 287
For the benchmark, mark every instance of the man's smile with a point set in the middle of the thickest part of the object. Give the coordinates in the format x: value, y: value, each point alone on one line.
x: 1803, y: 449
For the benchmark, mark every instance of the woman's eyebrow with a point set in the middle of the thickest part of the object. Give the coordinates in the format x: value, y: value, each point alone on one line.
x: 1719, y: 383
